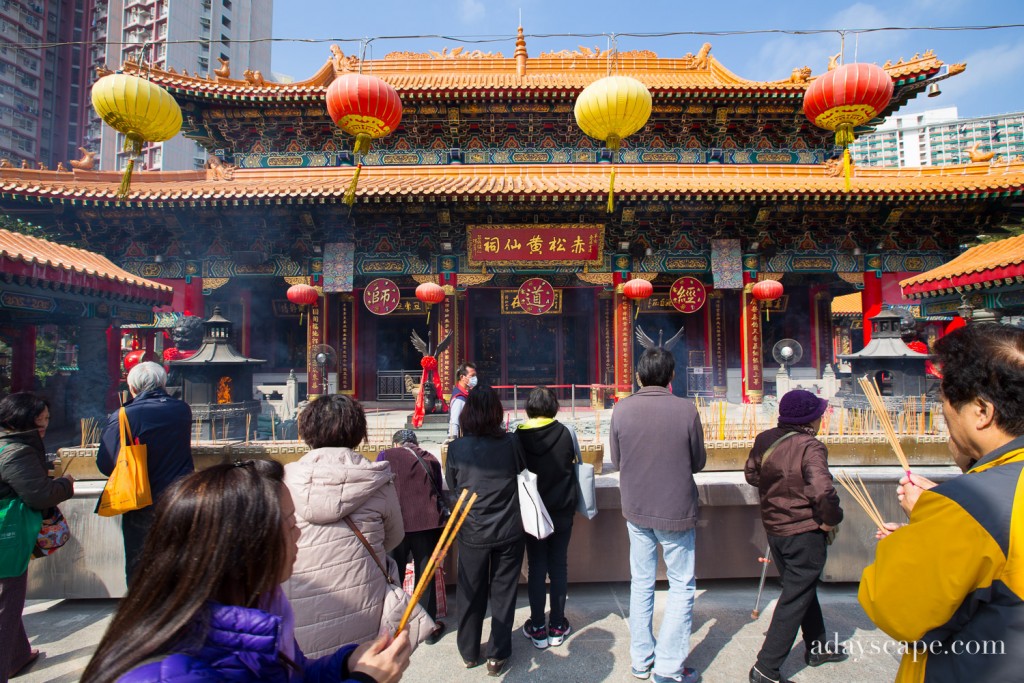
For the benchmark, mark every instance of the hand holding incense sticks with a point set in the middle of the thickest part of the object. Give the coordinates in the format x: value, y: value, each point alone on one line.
x: 875, y: 399
x: 859, y: 492
x: 455, y: 521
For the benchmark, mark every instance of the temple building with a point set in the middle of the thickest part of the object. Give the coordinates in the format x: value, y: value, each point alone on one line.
x: 490, y: 189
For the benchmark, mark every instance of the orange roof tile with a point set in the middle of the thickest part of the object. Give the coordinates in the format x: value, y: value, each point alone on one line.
x: 464, y: 73
x: 558, y: 180
x: 31, y: 256
x: 986, y: 263
x: 847, y: 304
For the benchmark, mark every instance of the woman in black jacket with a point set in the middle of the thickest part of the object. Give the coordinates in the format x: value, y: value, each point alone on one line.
x: 23, y: 474
x: 485, y: 461
x: 551, y: 451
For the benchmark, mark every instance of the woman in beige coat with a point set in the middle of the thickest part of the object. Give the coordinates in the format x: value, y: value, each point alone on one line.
x: 337, y: 590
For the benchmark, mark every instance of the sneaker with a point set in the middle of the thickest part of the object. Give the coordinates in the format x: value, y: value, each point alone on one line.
x: 538, y: 634
x: 757, y: 677
x: 643, y: 674
x: 496, y: 667
x: 826, y: 656
x: 472, y: 663
x: 556, y: 634
x: 435, y: 635
x: 688, y: 676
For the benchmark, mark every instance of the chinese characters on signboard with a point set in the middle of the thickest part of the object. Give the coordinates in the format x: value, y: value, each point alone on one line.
x: 314, y: 336
x: 510, y: 303
x: 346, y: 371
x: 543, y: 244
x: 688, y: 294
x: 754, y: 351
x: 536, y: 296
x: 718, y: 362
x: 381, y: 296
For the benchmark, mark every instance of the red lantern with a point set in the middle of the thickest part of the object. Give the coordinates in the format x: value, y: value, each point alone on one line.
x: 430, y: 293
x: 846, y: 97
x: 133, y: 358
x: 364, y: 106
x: 638, y: 288
x: 303, y: 295
x: 767, y: 290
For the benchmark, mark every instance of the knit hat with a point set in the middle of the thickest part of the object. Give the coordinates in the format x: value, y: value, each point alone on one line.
x: 799, y: 407
x: 405, y: 436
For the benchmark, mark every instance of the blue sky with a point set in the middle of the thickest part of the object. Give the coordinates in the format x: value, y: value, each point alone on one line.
x: 992, y: 83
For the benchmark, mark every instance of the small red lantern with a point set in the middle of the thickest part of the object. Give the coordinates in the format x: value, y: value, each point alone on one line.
x: 638, y: 288
x: 430, y: 293
x: 767, y: 290
x: 364, y: 106
x: 133, y: 358
x: 846, y: 97
x: 303, y: 295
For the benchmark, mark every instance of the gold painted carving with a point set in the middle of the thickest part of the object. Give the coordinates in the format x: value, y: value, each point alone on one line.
x: 852, y: 278
x: 212, y: 283
x: 595, y: 278
x: 470, y: 279
x: 299, y: 280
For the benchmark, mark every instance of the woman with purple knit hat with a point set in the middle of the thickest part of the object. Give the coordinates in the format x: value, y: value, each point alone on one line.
x: 799, y: 509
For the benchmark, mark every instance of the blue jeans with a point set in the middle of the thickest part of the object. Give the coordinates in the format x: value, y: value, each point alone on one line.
x: 669, y: 652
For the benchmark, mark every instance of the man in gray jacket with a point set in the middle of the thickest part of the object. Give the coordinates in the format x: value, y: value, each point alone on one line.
x: 657, y: 444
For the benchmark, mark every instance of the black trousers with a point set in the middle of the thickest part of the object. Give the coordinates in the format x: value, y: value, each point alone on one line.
x: 488, y: 575
x: 14, y: 647
x: 135, y: 528
x: 800, y: 560
x: 549, y: 557
x: 419, y: 544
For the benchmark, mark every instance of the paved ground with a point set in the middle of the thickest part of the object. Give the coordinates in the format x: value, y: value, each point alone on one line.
x: 725, y: 641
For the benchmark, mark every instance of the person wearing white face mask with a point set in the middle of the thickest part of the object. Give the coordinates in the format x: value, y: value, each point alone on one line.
x: 465, y: 380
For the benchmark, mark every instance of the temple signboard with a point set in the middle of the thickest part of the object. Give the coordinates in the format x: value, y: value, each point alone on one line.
x: 511, y: 303
x: 536, y: 296
x: 688, y: 294
x: 535, y: 245
x: 381, y: 296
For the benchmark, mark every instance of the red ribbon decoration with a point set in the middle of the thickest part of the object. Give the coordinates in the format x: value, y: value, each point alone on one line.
x: 429, y: 365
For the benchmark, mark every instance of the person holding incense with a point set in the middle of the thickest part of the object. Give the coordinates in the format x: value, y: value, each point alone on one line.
x: 338, y: 589
x: 485, y: 461
x: 949, y: 583
x: 799, y: 509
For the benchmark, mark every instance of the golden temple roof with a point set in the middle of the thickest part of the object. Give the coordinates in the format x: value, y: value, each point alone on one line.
x: 466, y: 72
x: 847, y: 305
x: 454, y: 182
x: 994, y: 263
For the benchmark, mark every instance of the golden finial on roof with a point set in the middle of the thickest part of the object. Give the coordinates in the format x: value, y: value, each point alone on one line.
x: 102, y: 71
x: 61, y: 167
x: 800, y: 75
x: 24, y: 163
x: 520, y: 53
x: 341, y: 63
x: 254, y: 77
x: 833, y: 61
x: 976, y: 155
x: 41, y: 166
x: 5, y: 163
x: 87, y: 162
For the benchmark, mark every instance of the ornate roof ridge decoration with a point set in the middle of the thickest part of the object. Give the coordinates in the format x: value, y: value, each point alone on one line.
x: 75, y: 267
x: 470, y: 279
x: 986, y: 263
x: 515, y: 182
x: 457, y: 70
x: 595, y: 278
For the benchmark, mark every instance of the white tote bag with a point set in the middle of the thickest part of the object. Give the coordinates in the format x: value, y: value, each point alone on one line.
x: 536, y: 520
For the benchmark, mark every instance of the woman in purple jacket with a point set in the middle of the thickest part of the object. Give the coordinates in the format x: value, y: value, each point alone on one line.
x: 209, y: 606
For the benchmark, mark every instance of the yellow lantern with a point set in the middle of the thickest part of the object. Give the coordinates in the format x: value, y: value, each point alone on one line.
x: 140, y: 110
x: 612, y: 109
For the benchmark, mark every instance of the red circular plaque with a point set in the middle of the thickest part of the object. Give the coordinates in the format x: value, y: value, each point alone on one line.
x: 536, y: 296
x: 688, y: 294
x: 381, y: 296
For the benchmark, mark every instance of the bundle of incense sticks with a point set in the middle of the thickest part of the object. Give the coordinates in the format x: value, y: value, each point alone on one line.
x: 875, y: 399
x: 455, y: 521
x: 859, y: 491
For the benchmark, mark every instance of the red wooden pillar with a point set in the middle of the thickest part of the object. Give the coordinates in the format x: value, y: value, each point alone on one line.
x: 23, y: 359
x: 752, y: 357
x: 316, y: 326
x: 446, y: 314
x: 871, y: 298
x: 194, y: 297
x: 622, y: 331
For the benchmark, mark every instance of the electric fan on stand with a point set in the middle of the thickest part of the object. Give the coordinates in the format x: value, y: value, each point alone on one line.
x: 325, y: 357
x: 787, y: 353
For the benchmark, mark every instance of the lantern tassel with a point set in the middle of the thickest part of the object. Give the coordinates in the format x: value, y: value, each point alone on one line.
x: 846, y: 167
x: 132, y: 145
x: 611, y: 192
x: 350, y: 193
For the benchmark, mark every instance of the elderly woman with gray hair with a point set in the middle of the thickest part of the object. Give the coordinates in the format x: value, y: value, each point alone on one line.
x: 164, y: 425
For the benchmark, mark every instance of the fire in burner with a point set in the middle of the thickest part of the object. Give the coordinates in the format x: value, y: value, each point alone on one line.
x: 224, y: 390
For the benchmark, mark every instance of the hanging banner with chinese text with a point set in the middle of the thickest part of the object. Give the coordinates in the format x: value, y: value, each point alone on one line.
x: 727, y: 264
x: 339, y: 266
x: 381, y: 296
x: 687, y: 294
x: 539, y: 245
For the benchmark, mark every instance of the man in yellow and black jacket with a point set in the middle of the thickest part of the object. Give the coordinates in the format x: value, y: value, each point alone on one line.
x: 951, y: 582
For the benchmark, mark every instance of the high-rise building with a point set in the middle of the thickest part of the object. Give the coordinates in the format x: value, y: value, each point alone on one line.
x: 188, y: 35
x: 937, y: 137
x: 43, y: 80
